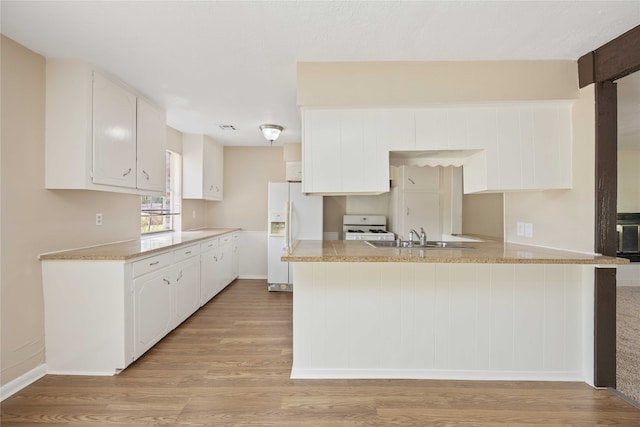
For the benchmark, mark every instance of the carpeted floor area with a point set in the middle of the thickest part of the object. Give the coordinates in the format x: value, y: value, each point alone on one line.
x: 628, y: 341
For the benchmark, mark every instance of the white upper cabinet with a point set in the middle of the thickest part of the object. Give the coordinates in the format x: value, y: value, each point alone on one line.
x: 345, y: 151
x: 114, y: 134
x: 525, y: 147
x: 202, y: 171
x: 92, y: 132
x: 152, y: 132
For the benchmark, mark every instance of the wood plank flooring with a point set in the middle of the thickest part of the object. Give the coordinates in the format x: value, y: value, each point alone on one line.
x: 229, y: 364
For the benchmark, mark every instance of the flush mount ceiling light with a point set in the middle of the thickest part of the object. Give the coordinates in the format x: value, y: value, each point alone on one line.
x: 271, y: 132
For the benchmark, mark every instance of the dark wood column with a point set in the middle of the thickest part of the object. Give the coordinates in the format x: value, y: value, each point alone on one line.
x: 602, y: 67
x: 606, y: 168
x: 605, y: 328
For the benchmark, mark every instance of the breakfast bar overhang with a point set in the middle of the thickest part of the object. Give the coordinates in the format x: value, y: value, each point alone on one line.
x: 493, y: 311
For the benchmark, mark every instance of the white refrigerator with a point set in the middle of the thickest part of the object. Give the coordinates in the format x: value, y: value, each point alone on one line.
x: 292, y: 216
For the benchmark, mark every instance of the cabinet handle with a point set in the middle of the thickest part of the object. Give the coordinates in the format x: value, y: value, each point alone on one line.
x: 127, y: 172
x: 407, y: 211
x: 154, y: 263
x: 187, y: 253
x: 179, y: 276
x: 166, y: 281
x: 221, y: 256
x: 411, y: 181
x: 146, y: 175
x: 211, y: 188
x: 217, y: 189
x: 215, y: 258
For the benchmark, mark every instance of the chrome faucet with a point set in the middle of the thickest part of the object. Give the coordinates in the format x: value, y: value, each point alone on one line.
x: 422, y: 234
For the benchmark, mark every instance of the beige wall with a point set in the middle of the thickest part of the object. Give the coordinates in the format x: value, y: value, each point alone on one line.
x: 416, y: 83
x: 35, y: 220
x: 247, y: 171
x: 629, y: 181
x: 482, y: 214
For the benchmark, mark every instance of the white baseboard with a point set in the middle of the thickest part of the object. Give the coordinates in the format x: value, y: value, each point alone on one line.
x: 22, y: 381
x: 435, y: 374
x: 252, y: 277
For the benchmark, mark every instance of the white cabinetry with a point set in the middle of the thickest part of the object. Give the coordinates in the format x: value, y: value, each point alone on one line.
x: 209, y: 265
x: 102, y: 315
x: 226, y: 261
x: 235, y: 269
x: 202, y: 171
x: 151, y: 131
x: 92, y: 133
x: 164, y: 297
x: 523, y: 146
x: 114, y: 133
x: 216, y: 266
x: 345, y: 151
x: 502, y: 146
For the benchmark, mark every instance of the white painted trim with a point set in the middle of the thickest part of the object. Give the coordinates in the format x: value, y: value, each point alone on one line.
x: 252, y: 277
x: 434, y: 374
x: 22, y: 381
x: 86, y: 373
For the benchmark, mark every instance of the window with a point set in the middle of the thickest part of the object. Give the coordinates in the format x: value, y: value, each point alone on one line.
x: 162, y: 213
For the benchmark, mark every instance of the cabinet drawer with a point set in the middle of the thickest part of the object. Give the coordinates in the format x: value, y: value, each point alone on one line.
x: 208, y: 245
x: 186, y: 252
x: 225, y: 240
x: 148, y: 265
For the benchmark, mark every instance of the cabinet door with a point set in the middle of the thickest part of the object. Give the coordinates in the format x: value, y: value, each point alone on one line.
x: 345, y: 151
x: 151, y: 145
x: 114, y: 134
x: 153, y: 313
x: 208, y: 275
x: 321, y: 156
x: 212, y: 172
x: 225, y: 269
x: 186, y: 285
x: 235, y: 272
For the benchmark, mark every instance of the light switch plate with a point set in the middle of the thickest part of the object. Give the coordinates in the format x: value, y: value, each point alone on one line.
x: 528, y: 230
x: 520, y: 228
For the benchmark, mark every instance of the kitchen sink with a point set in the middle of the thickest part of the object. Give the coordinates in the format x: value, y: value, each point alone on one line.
x: 404, y: 244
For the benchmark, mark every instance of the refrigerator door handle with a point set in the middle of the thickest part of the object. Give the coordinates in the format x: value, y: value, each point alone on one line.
x: 289, y: 225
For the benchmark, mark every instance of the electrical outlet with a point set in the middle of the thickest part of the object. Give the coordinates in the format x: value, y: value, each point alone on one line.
x: 528, y: 230
x: 520, y: 228
x: 98, y: 219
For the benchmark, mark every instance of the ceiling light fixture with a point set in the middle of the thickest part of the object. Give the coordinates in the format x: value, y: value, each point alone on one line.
x: 271, y: 132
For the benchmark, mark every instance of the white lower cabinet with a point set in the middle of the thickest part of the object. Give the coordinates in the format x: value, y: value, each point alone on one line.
x: 153, y: 313
x: 165, y: 298
x: 101, y: 315
x: 209, y: 259
x: 235, y: 263
x: 216, y: 266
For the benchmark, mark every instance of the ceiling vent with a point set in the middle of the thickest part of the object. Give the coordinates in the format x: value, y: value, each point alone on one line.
x: 227, y: 127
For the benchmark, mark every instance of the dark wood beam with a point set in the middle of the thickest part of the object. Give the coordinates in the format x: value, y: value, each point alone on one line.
x: 619, y: 57
x: 611, y: 61
x: 604, y: 324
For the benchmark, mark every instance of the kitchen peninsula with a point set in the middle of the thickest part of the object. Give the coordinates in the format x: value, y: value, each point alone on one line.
x: 495, y: 311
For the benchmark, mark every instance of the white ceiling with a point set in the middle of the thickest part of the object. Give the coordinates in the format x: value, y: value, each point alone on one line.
x: 212, y: 62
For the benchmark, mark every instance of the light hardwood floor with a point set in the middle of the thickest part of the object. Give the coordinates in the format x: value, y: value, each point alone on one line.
x: 229, y: 364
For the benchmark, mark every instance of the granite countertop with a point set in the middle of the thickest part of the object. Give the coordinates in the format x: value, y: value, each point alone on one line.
x: 147, y: 245
x: 490, y: 252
